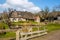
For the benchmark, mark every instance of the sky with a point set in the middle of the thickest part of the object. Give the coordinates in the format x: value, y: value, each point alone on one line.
x: 28, y: 5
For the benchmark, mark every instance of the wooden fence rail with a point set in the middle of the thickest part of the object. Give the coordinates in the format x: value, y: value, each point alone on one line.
x: 25, y: 36
x: 28, y: 35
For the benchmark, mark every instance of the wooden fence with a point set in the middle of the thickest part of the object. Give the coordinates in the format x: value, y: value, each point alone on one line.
x: 27, y: 35
x: 21, y: 35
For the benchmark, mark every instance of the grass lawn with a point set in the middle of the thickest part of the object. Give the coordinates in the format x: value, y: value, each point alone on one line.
x: 3, y: 26
x: 52, y: 27
x: 7, y: 35
x: 24, y: 22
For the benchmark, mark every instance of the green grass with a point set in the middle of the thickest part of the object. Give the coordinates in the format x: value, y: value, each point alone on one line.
x: 23, y: 22
x: 7, y: 35
x: 49, y: 27
x: 53, y: 27
x: 3, y: 25
x: 40, y: 28
x: 34, y: 29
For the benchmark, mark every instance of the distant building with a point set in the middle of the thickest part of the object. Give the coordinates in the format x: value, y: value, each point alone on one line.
x: 16, y: 16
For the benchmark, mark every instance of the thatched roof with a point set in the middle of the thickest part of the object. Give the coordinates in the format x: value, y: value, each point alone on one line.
x: 20, y: 14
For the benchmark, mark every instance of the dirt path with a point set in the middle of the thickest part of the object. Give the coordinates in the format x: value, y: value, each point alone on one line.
x: 55, y: 35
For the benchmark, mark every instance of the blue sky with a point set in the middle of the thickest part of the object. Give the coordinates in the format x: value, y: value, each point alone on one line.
x: 37, y: 3
x: 43, y: 3
x: 2, y: 1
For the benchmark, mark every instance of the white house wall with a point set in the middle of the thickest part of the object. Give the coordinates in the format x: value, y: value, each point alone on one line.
x: 58, y: 18
x: 17, y: 19
x: 38, y: 20
x: 22, y: 19
x: 11, y: 19
x: 14, y: 19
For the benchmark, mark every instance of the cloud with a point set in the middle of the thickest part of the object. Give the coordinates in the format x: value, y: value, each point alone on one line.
x: 22, y: 5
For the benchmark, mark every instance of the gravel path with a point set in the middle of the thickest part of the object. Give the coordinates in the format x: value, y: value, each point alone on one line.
x: 55, y: 35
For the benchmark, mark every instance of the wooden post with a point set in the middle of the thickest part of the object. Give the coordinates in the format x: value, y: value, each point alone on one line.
x: 17, y: 35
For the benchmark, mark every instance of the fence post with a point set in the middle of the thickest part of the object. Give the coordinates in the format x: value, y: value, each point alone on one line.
x: 17, y: 35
